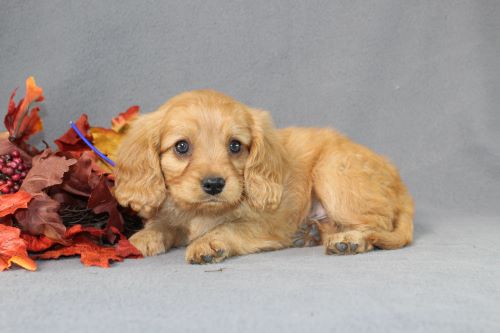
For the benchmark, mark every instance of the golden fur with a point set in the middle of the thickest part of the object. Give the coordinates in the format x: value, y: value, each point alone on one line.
x: 270, y: 184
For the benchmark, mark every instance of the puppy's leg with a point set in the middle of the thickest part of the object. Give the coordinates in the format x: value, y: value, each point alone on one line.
x: 155, y: 238
x: 232, y: 239
x: 366, y: 200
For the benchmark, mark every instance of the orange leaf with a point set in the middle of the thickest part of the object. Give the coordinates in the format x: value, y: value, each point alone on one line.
x: 13, y: 249
x: 70, y: 141
x: 85, y: 243
x: 108, y: 140
x: 11, y: 202
x: 20, y: 121
x: 37, y: 243
x: 122, y: 121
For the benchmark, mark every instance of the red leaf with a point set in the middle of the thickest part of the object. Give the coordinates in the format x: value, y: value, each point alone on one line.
x: 70, y: 141
x: 47, y: 170
x: 9, y: 203
x: 80, y: 179
x: 123, y: 120
x: 86, y: 244
x: 20, y: 121
x: 42, y: 218
x: 102, y: 201
x: 13, y: 249
x: 37, y: 243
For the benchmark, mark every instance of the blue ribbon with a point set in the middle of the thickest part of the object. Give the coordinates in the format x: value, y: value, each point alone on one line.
x: 91, y: 146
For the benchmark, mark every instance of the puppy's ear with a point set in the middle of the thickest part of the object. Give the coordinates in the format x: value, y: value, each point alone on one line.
x: 138, y: 176
x: 264, y: 168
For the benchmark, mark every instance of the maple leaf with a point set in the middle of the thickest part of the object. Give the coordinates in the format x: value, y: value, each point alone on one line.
x: 121, y: 122
x: 101, y: 200
x: 21, y: 121
x: 80, y: 179
x: 42, y: 218
x: 124, y: 248
x: 37, y: 243
x: 108, y: 140
x: 47, y: 169
x: 86, y: 244
x: 13, y: 249
x: 11, y: 202
x: 71, y: 142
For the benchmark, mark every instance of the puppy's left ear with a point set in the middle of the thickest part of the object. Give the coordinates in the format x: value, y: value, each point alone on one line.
x: 264, y: 168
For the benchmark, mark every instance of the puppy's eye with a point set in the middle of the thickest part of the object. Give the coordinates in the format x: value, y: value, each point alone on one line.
x: 234, y: 146
x: 182, y: 147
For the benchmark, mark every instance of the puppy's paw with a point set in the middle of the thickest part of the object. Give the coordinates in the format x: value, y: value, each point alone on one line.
x: 149, y: 242
x: 203, y: 251
x: 308, y: 234
x: 349, y: 242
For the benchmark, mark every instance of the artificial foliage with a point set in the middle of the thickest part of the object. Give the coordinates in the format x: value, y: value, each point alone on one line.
x: 59, y: 201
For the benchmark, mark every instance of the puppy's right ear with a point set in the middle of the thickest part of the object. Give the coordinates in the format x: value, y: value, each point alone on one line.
x: 139, y: 181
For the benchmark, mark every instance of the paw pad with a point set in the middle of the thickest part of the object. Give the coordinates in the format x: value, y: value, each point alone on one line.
x: 308, y: 234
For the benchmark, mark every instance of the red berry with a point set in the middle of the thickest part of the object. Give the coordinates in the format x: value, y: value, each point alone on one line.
x: 16, y: 187
x: 16, y: 177
x: 5, y: 190
x: 15, y: 153
x: 9, y: 182
x: 18, y: 160
x: 23, y: 174
x: 7, y: 171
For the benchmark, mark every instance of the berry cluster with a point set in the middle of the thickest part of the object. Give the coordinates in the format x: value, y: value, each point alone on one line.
x: 12, y: 172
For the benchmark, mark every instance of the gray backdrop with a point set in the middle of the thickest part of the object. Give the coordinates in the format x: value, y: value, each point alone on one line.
x: 418, y: 81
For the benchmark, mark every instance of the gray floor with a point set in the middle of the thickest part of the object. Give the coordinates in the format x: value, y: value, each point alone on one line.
x: 449, y: 280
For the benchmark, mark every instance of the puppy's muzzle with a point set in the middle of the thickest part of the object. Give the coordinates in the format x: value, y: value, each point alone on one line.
x: 213, y: 185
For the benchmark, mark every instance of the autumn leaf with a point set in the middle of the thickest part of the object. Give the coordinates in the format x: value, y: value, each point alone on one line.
x: 81, y: 179
x: 47, y: 169
x: 124, y: 248
x: 13, y: 249
x: 121, y: 122
x: 21, y: 121
x: 102, y: 201
x: 42, y: 218
x: 71, y: 142
x: 108, y: 140
x: 9, y: 203
x: 37, y: 243
x: 85, y: 243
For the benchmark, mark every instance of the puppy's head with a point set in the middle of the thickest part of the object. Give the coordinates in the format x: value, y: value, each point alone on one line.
x: 205, y: 151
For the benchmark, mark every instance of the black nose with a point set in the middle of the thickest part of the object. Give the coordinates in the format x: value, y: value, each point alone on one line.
x: 213, y: 186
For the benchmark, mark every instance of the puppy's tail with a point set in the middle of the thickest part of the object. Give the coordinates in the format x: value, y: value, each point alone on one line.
x: 402, y: 234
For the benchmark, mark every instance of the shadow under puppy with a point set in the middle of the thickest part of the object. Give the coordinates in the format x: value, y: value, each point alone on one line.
x: 212, y: 174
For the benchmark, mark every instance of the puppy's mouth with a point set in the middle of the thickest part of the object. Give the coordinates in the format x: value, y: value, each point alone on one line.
x: 211, y: 201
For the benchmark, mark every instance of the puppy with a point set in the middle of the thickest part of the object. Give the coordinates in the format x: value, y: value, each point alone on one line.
x: 212, y: 174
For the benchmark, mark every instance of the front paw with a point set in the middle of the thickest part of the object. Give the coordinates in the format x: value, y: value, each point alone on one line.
x: 203, y: 251
x: 149, y: 242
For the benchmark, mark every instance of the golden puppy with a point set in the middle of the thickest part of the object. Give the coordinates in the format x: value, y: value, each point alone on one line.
x: 211, y: 173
